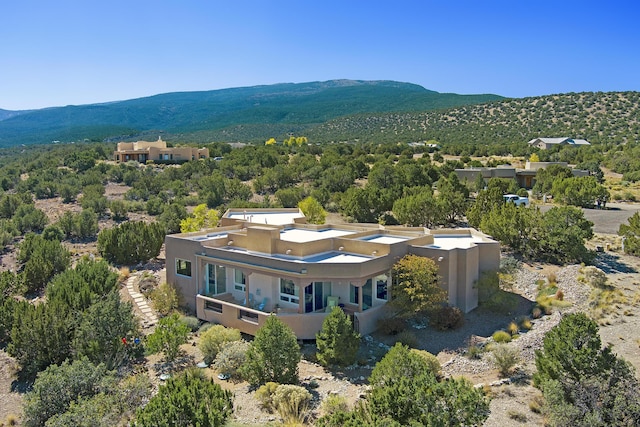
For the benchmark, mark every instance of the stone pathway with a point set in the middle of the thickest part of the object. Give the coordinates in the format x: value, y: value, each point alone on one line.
x: 148, y: 314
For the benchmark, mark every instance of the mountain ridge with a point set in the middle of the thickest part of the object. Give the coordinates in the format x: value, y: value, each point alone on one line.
x: 288, y: 105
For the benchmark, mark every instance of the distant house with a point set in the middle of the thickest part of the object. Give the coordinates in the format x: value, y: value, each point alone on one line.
x: 546, y: 143
x: 263, y: 262
x: 526, y: 177
x: 142, y: 151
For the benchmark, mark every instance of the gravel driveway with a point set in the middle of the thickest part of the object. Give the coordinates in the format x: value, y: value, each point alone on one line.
x: 607, y: 221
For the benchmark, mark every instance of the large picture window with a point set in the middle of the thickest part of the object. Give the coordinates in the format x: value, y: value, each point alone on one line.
x: 183, y: 267
x: 289, y: 291
x: 354, y: 297
x: 240, y: 280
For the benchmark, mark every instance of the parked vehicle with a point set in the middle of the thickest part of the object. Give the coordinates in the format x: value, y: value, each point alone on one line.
x: 517, y: 200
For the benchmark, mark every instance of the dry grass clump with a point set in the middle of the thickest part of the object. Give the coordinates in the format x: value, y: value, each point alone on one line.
x: 123, y: 273
x: 606, y: 302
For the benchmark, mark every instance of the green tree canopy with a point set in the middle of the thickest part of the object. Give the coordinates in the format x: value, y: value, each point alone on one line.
x: 131, y: 242
x: 169, y: 335
x: 582, y: 382
x: 189, y: 399
x: 337, y: 341
x: 273, y: 355
x: 404, y: 390
x: 630, y: 233
x: 313, y: 210
x: 415, y: 286
x: 199, y: 219
x: 55, y: 388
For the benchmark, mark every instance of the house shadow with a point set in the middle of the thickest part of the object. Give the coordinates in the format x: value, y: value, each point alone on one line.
x: 611, y: 264
x: 479, y: 324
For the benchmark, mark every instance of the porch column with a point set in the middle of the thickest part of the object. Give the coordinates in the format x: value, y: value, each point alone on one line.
x: 301, y: 295
x: 360, y: 298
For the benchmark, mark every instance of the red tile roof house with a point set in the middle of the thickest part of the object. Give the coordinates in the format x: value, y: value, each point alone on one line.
x: 263, y: 262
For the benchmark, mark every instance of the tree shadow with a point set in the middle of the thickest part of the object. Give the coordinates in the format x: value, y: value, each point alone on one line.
x: 611, y: 264
x: 23, y: 383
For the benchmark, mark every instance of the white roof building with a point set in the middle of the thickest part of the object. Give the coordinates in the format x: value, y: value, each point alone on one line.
x: 546, y: 143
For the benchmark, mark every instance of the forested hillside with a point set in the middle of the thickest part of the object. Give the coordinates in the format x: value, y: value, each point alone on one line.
x: 599, y: 117
x: 238, y: 114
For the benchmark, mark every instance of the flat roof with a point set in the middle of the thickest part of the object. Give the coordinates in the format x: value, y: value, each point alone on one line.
x: 328, y: 257
x: 454, y: 241
x: 208, y: 236
x: 300, y: 235
x: 265, y: 217
x: 384, y: 238
x: 334, y: 257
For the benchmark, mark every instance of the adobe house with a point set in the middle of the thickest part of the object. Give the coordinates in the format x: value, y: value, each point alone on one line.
x: 526, y: 178
x: 142, y: 151
x: 263, y: 262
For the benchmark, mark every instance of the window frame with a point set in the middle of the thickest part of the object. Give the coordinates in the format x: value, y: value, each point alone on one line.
x: 180, y: 271
x: 292, y: 298
x: 239, y: 286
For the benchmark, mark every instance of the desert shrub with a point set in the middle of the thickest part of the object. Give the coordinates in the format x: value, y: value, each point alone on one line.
x: 333, y: 404
x: 231, y: 357
x: 559, y: 295
x: 433, y: 364
x: 391, y: 325
x: 505, y: 358
x: 265, y: 393
x: 403, y: 390
x: 501, y: 336
x: 191, y: 322
x: 584, y: 383
x: 56, y: 387
x: 446, y: 318
x: 474, y: 351
x: 168, y: 336
x: 337, y: 341
x: 131, y: 242
x: 536, y: 312
x: 188, y: 399
x: 488, y: 284
x: 513, y: 328
x: 164, y: 299
x: 525, y: 324
x: 214, y: 338
x: 292, y: 403
x: 594, y: 276
x: 407, y: 338
x: 205, y: 327
x: 509, y: 264
x: 124, y: 273
x: 273, y: 355
x: 544, y: 303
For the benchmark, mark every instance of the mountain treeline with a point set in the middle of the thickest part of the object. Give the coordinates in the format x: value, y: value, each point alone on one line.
x: 237, y: 114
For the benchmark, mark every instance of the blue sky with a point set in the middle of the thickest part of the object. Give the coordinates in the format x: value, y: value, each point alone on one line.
x: 64, y: 52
